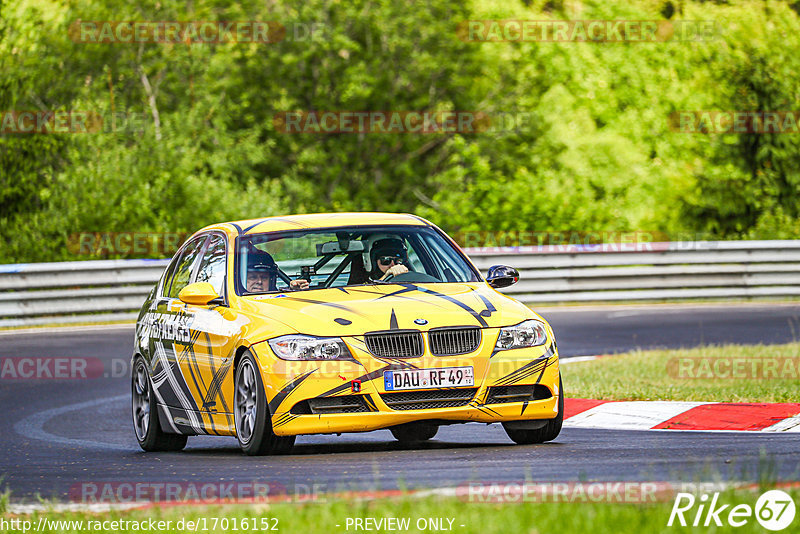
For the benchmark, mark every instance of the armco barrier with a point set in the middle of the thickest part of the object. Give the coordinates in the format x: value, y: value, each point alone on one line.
x: 650, y: 271
x: 77, y: 291
x: 113, y: 290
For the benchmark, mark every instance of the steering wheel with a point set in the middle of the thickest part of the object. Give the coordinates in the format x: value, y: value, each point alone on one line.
x: 403, y: 276
x: 412, y: 277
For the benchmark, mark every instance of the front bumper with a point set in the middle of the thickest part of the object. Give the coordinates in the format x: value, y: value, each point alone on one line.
x: 288, y: 384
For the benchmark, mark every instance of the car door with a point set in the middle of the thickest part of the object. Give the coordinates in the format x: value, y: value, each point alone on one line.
x: 214, y: 328
x: 170, y: 340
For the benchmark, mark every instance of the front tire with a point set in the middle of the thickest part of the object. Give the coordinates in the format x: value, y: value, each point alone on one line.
x: 549, y: 432
x: 251, y: 413
x: 145, y: 414
x: 414, y: 432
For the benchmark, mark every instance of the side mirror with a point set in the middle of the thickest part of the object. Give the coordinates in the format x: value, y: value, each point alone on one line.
x: 200, y: 293
x: 502, y: 276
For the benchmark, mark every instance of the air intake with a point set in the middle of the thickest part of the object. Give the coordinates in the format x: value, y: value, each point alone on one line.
x: 504, y: 394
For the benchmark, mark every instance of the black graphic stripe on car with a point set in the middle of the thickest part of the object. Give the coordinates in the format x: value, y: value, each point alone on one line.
x: 330, y: 304
x: 288, y: 388
x: 527, y: 369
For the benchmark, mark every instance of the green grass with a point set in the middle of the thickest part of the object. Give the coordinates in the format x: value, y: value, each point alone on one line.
x: 658, y: 375
x: 509, y: 518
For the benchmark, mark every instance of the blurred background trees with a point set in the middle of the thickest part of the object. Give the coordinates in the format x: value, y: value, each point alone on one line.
x: 595, y: 153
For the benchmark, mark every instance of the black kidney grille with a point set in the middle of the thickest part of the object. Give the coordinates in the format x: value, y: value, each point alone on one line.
x: 395, y: 344
x: 425, y: 400
x: 453, y: 341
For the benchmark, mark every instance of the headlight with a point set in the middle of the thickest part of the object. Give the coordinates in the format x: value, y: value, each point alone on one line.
x: 300, y: 347
x: 526, y: 334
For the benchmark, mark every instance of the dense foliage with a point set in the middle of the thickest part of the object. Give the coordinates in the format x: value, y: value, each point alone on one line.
x: 595, y: 152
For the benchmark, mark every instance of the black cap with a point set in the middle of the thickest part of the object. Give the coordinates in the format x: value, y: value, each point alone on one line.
x: 389, y: 246
x: 258, y: 260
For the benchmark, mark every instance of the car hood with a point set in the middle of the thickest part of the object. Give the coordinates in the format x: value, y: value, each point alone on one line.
x: 355, y: 310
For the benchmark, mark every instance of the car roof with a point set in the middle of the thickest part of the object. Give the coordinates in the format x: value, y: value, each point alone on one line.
x: 320, y: 220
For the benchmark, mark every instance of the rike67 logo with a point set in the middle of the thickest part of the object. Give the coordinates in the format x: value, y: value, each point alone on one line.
x: 774, y: 510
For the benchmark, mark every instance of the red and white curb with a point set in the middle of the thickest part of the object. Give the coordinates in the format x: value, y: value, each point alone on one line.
x: 672, y: 415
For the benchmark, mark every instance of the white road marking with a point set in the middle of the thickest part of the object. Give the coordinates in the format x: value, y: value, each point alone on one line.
x: 18, y: 509
x: 615, y: 315
x: 576, y: 359
x: 66, y: 329
x: 32, y: 427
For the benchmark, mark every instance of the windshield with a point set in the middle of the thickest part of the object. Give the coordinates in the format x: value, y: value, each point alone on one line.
x: 339, y: 257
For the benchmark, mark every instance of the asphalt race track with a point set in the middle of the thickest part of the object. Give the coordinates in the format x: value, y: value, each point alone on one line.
x: 58, y: 434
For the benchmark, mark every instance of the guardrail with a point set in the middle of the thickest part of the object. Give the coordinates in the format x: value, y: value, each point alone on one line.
x: 650, y: 271
x: 42, y: 293
x: 76, y: 291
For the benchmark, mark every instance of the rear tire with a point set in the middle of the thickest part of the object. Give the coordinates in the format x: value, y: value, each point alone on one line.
x: 549, y: 432
x: 145, y: 413
x: 251, y: 413
x: 414, y: 432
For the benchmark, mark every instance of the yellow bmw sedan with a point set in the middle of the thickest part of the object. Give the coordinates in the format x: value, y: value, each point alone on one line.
x: 271, y: 328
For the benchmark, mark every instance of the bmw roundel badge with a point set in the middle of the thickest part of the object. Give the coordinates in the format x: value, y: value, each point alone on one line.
x: 420, y: 321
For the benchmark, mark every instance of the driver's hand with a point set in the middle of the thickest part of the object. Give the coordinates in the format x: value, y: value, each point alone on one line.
x: 299, y: 284
x: 394, y: 270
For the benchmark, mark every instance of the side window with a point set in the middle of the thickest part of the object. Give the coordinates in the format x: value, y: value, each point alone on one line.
x: 168, y: 275
x: 184, y: 270
x: 213, y: 265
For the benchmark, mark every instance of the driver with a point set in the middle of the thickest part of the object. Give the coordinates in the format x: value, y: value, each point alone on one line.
x: 262, y: 274
x: 388, y: 257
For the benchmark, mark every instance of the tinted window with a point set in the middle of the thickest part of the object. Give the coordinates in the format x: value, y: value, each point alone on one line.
x: 212, y: 266
x: 183, y: 272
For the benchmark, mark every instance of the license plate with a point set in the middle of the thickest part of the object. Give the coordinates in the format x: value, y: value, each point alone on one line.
x: 444, y: 377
